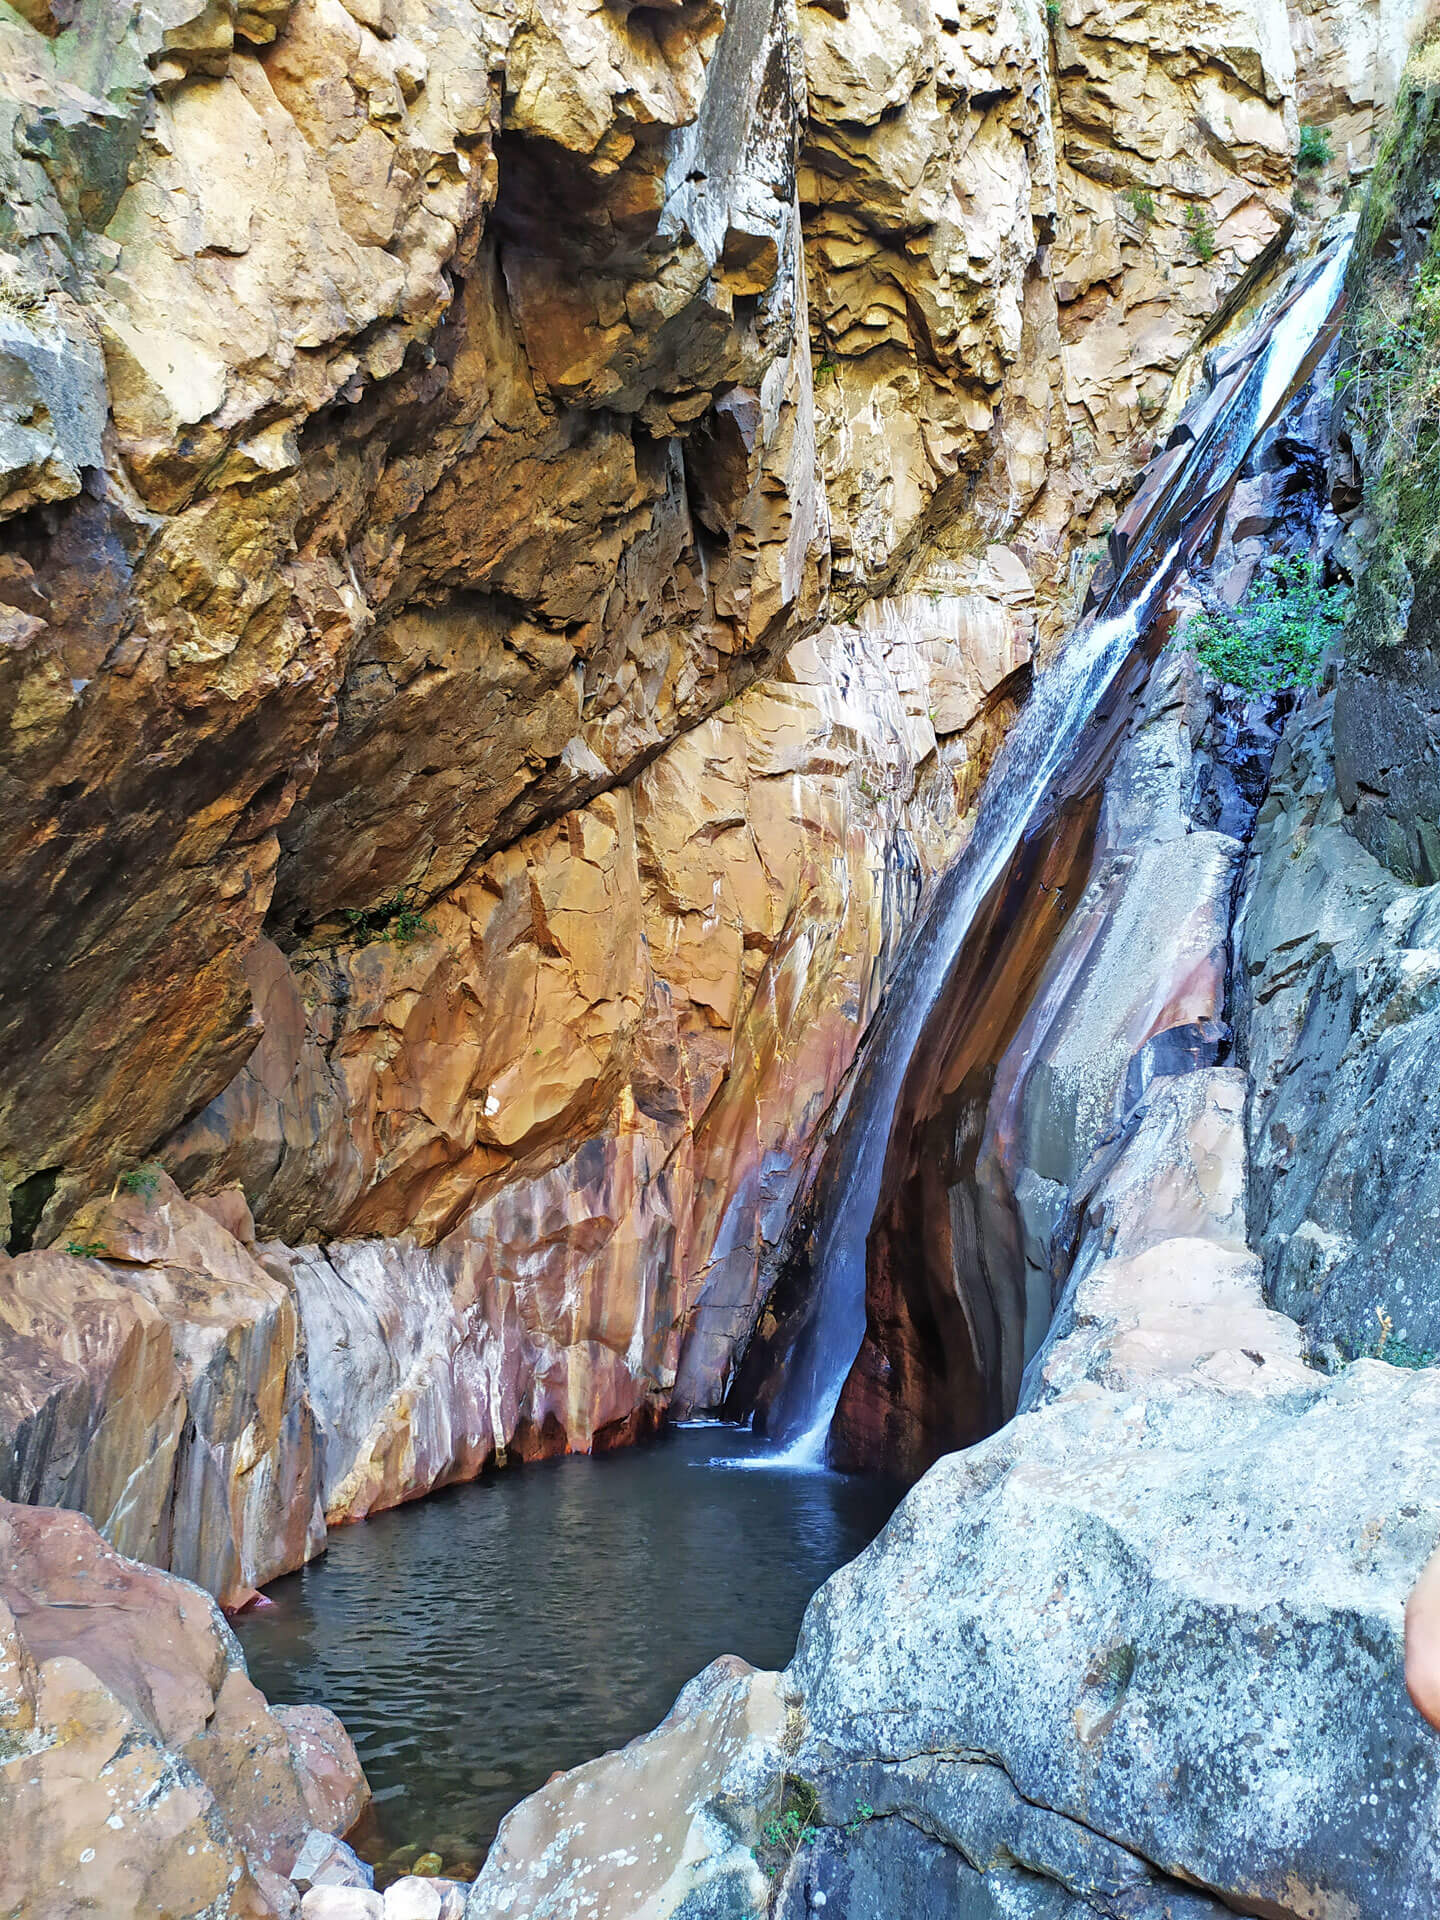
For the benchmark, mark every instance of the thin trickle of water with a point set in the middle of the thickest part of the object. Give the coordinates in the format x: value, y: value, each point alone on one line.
x: 1038, y: 749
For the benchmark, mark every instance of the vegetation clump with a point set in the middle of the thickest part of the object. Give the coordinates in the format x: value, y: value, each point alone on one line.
x: 1278, y: 636
x: 1394, y: 1350
x: 1314, y: 150
x: 143, y: 1181
x: 1202, y: 234
x: 1140, y: 203
x: 396, y: 920
x: 85, y: 1249
x: 795, y: 1826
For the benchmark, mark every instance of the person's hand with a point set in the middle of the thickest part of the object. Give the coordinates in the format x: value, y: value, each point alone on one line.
x: 1422, y: 1641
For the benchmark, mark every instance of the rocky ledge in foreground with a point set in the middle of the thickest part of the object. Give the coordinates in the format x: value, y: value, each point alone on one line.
x: 141, y: 1773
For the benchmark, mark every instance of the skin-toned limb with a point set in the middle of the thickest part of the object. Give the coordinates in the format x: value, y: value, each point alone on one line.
x: 1422, y: 1641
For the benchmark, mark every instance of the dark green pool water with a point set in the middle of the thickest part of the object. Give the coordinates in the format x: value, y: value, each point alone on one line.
x: 476, y: 1641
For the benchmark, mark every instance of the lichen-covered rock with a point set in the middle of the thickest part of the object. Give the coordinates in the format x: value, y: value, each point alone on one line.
x: 670, y: 1822
x: 1383, y: 474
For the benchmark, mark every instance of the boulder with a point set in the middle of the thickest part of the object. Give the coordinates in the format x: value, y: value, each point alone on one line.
x: 160, y: 1390
x: 140, y: 1771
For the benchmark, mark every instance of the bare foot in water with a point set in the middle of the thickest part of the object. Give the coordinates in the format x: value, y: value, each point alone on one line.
x: 1422, y: 1641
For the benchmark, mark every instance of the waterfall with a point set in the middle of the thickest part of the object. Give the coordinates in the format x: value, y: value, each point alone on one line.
x: 1186, y: 498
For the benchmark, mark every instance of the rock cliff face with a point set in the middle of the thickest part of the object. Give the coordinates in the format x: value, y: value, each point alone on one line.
x: 1140, y: 1652
x: 524, y: 528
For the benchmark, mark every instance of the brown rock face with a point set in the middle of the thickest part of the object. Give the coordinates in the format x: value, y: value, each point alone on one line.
x: 1055, y: 1026
x: 140, y: 1771
x: 157, y: 1386
x: 939, y: 1365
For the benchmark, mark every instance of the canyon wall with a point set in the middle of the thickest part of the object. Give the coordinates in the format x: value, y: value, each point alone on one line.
x: 524, y: 529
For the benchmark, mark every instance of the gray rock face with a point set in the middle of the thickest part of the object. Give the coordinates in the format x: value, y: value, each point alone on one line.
x: 886, y: 1867
x: 1340, y: 1006
x: 1386, y: 725
x: 1175, y: 1622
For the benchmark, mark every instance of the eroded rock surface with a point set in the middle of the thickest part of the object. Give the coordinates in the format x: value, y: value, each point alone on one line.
x: 140, y: 1771
x: 1341, y: 980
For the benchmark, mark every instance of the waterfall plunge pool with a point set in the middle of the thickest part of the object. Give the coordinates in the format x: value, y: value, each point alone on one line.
x: 478, y: 1640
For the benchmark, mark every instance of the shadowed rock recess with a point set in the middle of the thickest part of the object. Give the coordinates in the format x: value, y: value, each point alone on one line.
x: 523, y: 529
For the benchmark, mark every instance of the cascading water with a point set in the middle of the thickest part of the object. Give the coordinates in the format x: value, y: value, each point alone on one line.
x: 1038, y: 749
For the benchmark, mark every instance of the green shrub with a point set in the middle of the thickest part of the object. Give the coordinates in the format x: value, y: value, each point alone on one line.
x: 1052, y: 14
x: 144, y: 1181
x: 1314, y: 150
x: 1140, y: 203
x: 1397, y: 1352
x: 85, y: 1249
x: 1278, y: 635
x: 794, y: 1827
x: 1202, y: 234
x: 395, y: 920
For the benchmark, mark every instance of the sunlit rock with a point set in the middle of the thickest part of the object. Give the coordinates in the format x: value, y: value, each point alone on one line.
x: 140, y: 1771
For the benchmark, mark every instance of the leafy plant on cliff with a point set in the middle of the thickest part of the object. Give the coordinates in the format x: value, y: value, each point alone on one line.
x: 1314, y: 150
x: 1140, y: 203
x: 1279, y: 634
x: 85, y: 1249
x: 143, y: 1181
x: 397, y: 920
x: 1398, y: 1352
x: 1202, y: 234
